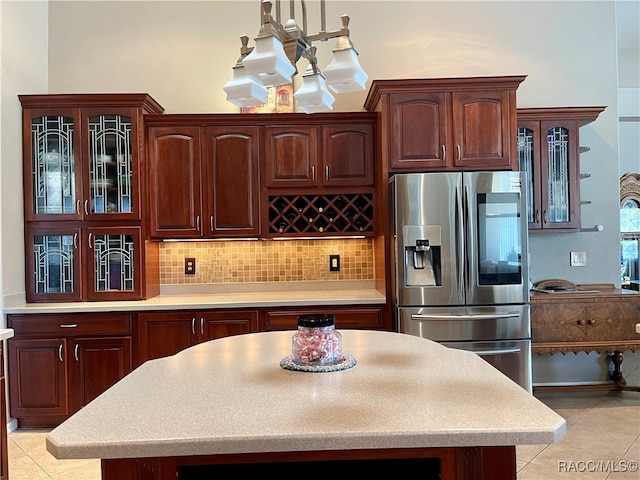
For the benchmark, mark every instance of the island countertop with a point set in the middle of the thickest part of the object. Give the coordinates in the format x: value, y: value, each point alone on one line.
x: 231, y: 396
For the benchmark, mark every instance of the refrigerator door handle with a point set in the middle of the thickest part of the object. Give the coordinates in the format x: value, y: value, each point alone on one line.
x: 470, y: 277
x: 501, y: 351
x: 484, y: 316
x: 460, y: 240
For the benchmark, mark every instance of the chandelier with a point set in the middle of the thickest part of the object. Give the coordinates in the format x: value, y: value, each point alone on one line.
x: 277, y: 50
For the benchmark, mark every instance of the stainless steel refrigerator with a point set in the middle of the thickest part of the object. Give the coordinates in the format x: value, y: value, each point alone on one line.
x: 460, y: 261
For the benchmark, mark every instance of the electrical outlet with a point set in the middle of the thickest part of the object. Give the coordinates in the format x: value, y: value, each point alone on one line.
x: 189, y: 266
x: 334, y: 263
x: 578, y: 259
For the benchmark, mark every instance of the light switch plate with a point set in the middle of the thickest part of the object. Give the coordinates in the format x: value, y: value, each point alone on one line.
x: 578, y: 259
x: 334, y: 263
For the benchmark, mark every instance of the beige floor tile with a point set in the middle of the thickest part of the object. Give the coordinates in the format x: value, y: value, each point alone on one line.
x: 21, y: 466
x: 89, y: 471
x: 526, y: 452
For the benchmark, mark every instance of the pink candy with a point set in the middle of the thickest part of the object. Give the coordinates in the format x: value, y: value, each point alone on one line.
x: 316, y: 345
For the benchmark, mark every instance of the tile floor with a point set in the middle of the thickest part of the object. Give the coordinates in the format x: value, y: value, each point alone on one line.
x: 602, y: 441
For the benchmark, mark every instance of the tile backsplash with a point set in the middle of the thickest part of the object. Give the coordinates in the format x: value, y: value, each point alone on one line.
x: 247, y: 261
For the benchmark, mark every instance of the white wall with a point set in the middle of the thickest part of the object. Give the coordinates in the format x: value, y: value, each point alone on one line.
x: 23, y: 58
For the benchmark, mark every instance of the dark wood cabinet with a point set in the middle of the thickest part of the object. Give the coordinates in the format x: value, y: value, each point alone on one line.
x: 548, y: 144
x: 291, y: 156
x: 83, y: 156
x: 4, y: 455
x: 447, y: 124
x: 59, y: 363
x: 325, y: 155
x: 161, y: 334
x: 203, y: 181
x: 348, y: 316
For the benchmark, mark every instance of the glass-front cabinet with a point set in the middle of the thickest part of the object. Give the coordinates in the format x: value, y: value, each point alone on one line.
x: 82, y: 164
x: 549, y: 151
x: 83, y: 189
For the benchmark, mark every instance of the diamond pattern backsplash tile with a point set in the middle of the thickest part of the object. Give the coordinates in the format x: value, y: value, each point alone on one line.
x: 266, y: 261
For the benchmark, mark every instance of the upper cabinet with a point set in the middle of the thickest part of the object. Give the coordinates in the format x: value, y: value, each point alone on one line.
x: 82, y: 155
x: 252, y: 175
x: 84, y: 229
x: 548, y: 144
x: 203, y: 179
x: 447, y: 124
x: 330, y: 155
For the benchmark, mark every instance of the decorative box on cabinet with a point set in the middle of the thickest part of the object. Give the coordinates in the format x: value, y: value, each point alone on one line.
x: 549, y: 151
x: 161, y: 334
x: 59, y: 363
x: 447, y: 123
x: 83, y: 156
x: 203, y: 179
x: 602, y: 322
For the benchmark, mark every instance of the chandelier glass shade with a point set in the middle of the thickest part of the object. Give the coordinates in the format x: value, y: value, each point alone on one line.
x: 272, y: 61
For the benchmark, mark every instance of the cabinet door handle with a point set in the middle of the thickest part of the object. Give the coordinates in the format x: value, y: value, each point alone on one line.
x: 459, y: 152
x: 326, y: 172
x: 75, y: 352
x: 313, y: 173
x: 75, y: 241
x: 211, y: 223
x: 544, y: 216
x: 591, y: 321
x: 537, y: 216
x: 580, y: 322
x: 444, y: 154
x: 60, y: 352
x: 193, y: 325
x: 90, y: 240
x: 86, y: 207
x: 68, y: 325
x: 78, y: 207
x: 198, y: 223
x: 202, y: 326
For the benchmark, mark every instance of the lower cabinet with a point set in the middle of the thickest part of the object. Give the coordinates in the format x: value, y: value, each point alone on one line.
x: 356, y: 316
x: 161, y: 334
x: 59, y: 363
x: 4, y: 457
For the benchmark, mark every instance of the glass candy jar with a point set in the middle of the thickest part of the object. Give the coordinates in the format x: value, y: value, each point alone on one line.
x: 317, y: 342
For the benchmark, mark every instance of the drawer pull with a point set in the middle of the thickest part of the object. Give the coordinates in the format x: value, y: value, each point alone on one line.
x: 68, y: 325
x: 60, y: 352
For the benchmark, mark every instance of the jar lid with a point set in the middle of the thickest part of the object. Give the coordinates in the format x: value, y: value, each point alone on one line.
x: 316, y: 320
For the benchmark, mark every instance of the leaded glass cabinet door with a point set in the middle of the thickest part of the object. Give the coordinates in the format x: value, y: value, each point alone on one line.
x: 111, y: 164
x: 528, y: 144
x: 559, y: 164
x: 115, y: 263
x: 53, y: 264
x: 52, y: 173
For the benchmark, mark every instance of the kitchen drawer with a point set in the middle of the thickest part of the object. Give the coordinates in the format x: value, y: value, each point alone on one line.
x: 365, y: 317
x: 70, y: 324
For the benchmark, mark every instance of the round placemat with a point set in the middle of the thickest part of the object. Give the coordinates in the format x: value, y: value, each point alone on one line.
x: 344, y: 361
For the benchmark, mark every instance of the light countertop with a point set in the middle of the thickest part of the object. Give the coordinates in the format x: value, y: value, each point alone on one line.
x: 231, y: 396
x: 6, y: 333
x: 188, y: 301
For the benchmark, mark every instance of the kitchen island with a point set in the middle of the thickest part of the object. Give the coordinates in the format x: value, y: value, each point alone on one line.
x: 228, y: 403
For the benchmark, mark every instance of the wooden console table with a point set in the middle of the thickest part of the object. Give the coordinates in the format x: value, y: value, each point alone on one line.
x: 603, y: 322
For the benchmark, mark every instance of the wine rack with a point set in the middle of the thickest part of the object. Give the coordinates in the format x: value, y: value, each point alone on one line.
x: 344, y: 214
